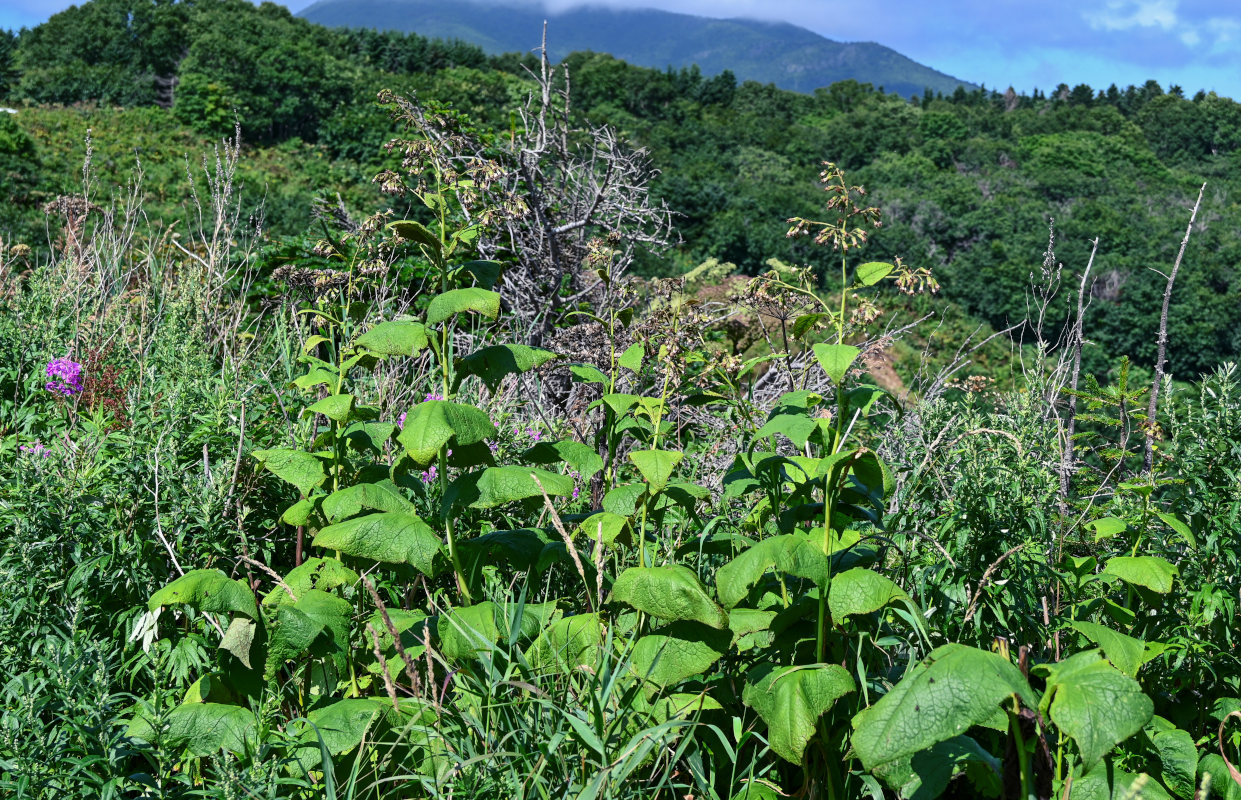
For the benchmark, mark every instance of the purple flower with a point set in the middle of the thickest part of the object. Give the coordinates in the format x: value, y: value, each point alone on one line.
x: 400, y: 421
x: 430, y: 475
x: 66, y: 377
x: 430, y: 396
x: 37, y: 450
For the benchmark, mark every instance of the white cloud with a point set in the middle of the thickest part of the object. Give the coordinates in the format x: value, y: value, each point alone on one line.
x: 1122, y: 15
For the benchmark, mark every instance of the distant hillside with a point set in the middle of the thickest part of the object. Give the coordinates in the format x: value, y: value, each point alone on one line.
x: 786, y: 55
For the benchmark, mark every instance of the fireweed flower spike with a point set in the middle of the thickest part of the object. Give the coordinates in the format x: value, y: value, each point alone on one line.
x: 66, y: 377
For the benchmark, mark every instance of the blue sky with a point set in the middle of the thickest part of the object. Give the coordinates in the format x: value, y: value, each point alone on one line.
x: 1193, y: 43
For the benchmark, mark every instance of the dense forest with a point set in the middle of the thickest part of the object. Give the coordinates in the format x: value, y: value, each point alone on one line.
x: 381, y: 419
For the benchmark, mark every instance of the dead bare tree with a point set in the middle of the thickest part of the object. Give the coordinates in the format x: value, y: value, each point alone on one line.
x: 1148, y: 451
x: 589, y: 209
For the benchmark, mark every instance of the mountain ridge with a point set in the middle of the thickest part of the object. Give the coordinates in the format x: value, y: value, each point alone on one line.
x: 787, y: 55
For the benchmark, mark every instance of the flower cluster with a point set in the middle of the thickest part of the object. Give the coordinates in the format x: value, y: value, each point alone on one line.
x: 66, y: 377
x: 37, y: 450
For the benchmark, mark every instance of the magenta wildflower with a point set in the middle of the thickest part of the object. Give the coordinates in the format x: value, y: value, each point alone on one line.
x: 400, y: 421
x: 37, y: 450
x: 66, y: 377
x: 429, y: 476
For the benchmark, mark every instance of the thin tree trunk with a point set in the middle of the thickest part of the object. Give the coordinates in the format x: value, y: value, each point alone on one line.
x: 1148, y: 453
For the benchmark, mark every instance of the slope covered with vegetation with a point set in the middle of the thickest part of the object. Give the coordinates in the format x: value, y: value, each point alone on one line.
x: 789, y: 56
x: 435, y: 488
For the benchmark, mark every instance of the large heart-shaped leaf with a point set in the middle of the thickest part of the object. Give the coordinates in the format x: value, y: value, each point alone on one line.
x: 791, y: 700
x: 836, y: 359
x: 467, y: 630
x: 666, y: 656
x: 432, y: 424
x: 1125, y: 652
x: 580, y: 457
x: 952, y: 689
x: 792, y: 554
x: 207, y: 590
x: 656, y: 466
x: 414, y: 231
x: 1178, y: 758
x: 336, y: 407
x: 381, y: 496
x: 499, y: 485
x: 207, y: 728
x: 1149, y: 572
x: 1094, y: 704
x: 483, y: 302
x: 492, y: 364
x: 393, y: 537
x: 671, y: 593
x: 317, y: 618
x: 861, y: 591
x: 398, y: 337
x: 303, y: 470
x: 567, y: 643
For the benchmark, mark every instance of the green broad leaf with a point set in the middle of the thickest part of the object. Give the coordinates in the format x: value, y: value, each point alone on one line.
x: 492, y: 364
x: 683, y: 705
x: 1126, y: 653
x: 1107, y: 527
x: 1178, y: 759
x: 588, y: 374
x: 758, y: 789
x: 656, y: 466
x: 318, y: 619
x: 1179, y: 527
x: 303, y: 470
x: 1222, y: 784
x: 318, y: 376
x: 413, y: 231
x: 861, y: 591
x: 808, y: 322
x: 1096, y: 705
x: 313, y: 573
x: 791, y: 700
x: 299, y: 513
x: 431, y: 425
x: 207, y: 728
x: 1115, y: 784
x: 582, y: 458
x: 668, y: 655
x: 336, y: 407
x: 239, y: 640
x: 631, y: 359
x: 750, y: 628
x: 619, y: 402
x: 792, y: 554
x: 499, y: 485
x: 372, y: 436
x: 521, y: 548
x: 954, y: 688
x: 466, y: 631
x: 483, y: 302
x: 607, y: 526
x: 567, y: 643
x: 393, y: 537
x: 1149, y: 572
x: 312, y: 342
x: 872, y: 272
x: 670, y: 593
x: 624, y: 499
x: 344, y: 724
x: 404, y: 336
x: 796, y: 427
x: 207, y: 590
x: 348, y: 502
x: 836, y: 359
x: 485, y: 273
